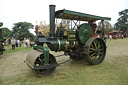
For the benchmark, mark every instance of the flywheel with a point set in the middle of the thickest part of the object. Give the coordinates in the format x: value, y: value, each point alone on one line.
x: 85, y: 32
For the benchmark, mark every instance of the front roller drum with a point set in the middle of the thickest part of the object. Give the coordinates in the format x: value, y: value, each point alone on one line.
x: 35, y: 60
x: 95, y: 49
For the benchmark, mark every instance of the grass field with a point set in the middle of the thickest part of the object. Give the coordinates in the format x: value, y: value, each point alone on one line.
x: 17, y: 49
x: 113, y: 70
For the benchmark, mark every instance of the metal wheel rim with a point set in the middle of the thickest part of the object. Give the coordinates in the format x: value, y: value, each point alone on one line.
x: 96, y: 51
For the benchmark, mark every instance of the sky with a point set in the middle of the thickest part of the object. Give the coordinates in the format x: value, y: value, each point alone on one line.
x: 13, y: 11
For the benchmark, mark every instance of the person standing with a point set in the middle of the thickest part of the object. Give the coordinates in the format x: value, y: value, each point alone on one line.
x: 7, y: 43
x: 16, y: 43
x: 110, y: 37
x: 28, y: 42
x: 19, y: 43
x: 94, y: 26
x: 13, y: 43
x: 122, y: 36
x: 25, y: 42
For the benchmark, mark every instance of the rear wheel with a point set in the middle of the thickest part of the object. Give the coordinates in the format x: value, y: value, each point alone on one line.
x: 96, y: 50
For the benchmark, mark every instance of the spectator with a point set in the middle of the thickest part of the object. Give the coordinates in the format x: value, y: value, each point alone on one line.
x: 16, y: 43
x: 13, y: 43
x: 122, y: 36
x: 28, y: 42
x: 19, y: 44
x: 110, y: 37
x: 7, y: 43
x: 25, y: 43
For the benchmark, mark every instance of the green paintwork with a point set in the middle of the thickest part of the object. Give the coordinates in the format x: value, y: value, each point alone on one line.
x: 1, y: 24
x: 1, y: 39
x: 45, y: 49
x: 85, y: 32
x: 71, y: 35
x: 46, y: 54
x: 78, y: 16
x: 1, y: 47
x: 62, y: 44
x: 65, y: 45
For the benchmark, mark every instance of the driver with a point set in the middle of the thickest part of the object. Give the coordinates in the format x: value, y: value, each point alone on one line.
x: 93, y: 25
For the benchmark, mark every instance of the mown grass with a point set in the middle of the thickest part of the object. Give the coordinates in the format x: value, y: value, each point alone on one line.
x: 113, y: 71
x: 16, y: 49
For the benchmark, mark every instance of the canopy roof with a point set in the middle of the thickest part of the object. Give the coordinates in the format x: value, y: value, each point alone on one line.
x: 72, y: 15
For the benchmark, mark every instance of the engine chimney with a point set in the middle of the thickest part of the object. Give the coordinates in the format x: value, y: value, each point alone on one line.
x: 52, y: 20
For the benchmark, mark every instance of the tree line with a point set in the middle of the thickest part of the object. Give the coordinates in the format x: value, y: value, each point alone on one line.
x: 19, y: 31
x: 122, y: 22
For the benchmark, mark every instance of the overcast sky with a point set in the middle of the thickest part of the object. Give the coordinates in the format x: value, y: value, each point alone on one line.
x: 13, y: 11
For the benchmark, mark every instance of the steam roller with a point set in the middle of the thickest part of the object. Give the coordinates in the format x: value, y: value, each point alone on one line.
x: 79, y: 41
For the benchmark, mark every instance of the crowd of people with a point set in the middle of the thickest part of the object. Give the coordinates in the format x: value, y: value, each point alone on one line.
x: 27, y: 42
x: 17, y: 43
x: 116, y: 37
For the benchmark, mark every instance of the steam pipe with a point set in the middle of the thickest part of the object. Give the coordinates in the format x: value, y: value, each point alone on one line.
x: 52, y: 20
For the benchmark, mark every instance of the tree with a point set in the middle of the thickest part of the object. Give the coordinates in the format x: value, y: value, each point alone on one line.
x: 21, y: 30
x: 122, y: 21
x: 107, y: 27
x: 6, y: 32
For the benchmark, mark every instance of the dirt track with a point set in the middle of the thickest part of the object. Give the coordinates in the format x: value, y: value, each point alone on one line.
x: 13, y: 63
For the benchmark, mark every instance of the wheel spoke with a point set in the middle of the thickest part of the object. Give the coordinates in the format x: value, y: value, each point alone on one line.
x: 92, y: 54
x: 95, y: 44
x: 91, y: 51
x: 92, y: 48
x: 99, y: 45
x: 40, y: 59
x: 100, y: 50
